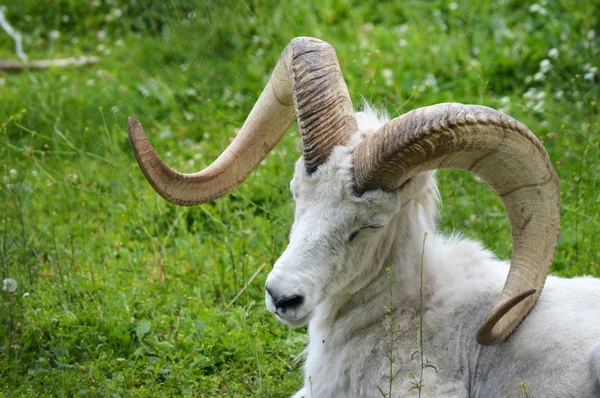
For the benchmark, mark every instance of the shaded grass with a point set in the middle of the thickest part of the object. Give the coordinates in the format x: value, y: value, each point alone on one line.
x: 127, y: 294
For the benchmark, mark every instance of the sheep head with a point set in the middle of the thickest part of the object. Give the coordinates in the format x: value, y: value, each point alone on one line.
x: 307, y: 80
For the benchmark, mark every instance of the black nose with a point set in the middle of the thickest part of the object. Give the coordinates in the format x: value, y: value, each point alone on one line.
x: 283, y: 302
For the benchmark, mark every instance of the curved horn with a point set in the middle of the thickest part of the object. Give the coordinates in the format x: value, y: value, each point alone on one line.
x: 307, y: 79
x: 504, y: 154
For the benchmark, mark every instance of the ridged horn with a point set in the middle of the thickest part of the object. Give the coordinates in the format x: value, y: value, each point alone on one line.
x: 307, y: 83
x: 504, y: 154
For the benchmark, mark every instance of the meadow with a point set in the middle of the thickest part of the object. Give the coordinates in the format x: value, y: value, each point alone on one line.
x: 121, y: 294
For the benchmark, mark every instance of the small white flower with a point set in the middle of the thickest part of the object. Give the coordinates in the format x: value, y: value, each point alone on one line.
x: 553, y: 53
x: 430, y: 80
x: 453, y: 6
x: 120, y: 43
x: 591, y: 35
x: 388, y: 76
x: 116, y: 12
x: 402, y: 43
x: 588, y: 76
x: 89, y: 82
x: 589, y: 68
x: 26, y: 294
x: 538, y: 76
x: 101, y: 35
x: 13, y: 174
x: 402, y: 28
x: 537, y: 9
x: 9, y: 285
x: 559, y: 94
x: 545, y: 66
x: 34, y: 173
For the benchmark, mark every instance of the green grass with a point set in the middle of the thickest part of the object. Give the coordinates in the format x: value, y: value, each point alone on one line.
x: 122, y: 294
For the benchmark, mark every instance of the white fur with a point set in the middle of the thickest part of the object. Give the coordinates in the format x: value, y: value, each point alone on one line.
x: 555, y: 351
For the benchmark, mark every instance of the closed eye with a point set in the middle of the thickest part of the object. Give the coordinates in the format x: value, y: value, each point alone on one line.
x: 355, y: 233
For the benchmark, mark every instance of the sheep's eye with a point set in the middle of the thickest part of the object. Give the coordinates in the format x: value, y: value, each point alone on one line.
x: 355, y: 233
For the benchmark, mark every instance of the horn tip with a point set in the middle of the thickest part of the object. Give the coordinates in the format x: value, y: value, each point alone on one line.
x: 132, y: 123
x: 486, y: 335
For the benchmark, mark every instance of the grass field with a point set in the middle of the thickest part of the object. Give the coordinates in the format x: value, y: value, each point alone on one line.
x: 122, y: 294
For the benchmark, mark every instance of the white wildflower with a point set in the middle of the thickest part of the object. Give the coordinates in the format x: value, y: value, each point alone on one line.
x: 26, y: 294
x: 402, y: 43
x: 453, y: 6
x: 13, y: 174
x: 55, y: 34
x: 388, y: 76
x: 116, y: 12
x: 120, y: 43
x: 101, y: 35
x: 90, y: 82
x: 535, y: 99
x: 591, y: 35
x: 430, y: 80
x: 538, y: 76
x: 559, y: 94
x: 553, y: 53
x: 9, y: 285
x: 545, y: 66
x: 65, y: 18
x: 34, y: 173
x: 402, y: 28
x: 537, y: 9
x: 588, y: 76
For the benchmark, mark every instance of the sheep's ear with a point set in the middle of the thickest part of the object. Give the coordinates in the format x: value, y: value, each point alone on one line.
x: 504, y: 154
x: 415, y: 187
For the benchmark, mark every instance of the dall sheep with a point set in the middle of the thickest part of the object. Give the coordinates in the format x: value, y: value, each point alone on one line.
x: 365, y: 197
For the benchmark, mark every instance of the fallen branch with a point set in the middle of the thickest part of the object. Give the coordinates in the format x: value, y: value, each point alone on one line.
x: 39, y: 63
x: 47, y: 63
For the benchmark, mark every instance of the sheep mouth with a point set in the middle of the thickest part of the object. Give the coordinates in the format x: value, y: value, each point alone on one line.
x: 295, y: 322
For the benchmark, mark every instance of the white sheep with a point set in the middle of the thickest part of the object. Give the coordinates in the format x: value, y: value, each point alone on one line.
x: 381, y: 301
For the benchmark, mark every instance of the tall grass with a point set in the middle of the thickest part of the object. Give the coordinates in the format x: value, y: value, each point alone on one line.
x: 122, y: 294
